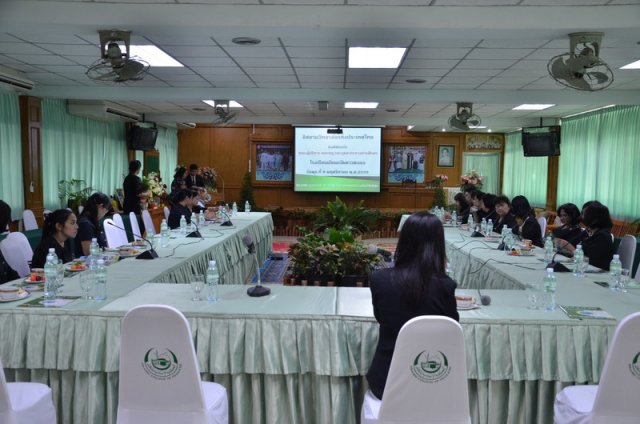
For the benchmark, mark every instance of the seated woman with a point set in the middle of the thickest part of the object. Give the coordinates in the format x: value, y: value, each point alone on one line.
x: 59, y: 227
x: 504, y: 215
x: 199, y: 200
x: 417, y: 285
x: 488, y: 206
x: 96, y: 207
x: 528, y: 227
x: 178, y: 182
x: 598, y: 244
x: 182, y: 204
x: 6, y: 272
x: 569, y: 231
x: 463, y: 208
x: 476, y: 203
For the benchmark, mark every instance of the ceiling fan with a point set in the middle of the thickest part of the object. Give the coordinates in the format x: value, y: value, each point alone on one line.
x: 581, y: 68
x: 223, y: 115
x: 464, y: 118
x: 115, y: 65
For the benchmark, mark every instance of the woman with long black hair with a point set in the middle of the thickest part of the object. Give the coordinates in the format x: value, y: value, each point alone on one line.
x: 96, y: 207
x: 528, y: 227
x: 417, y: 285
x: 59, y: 227
x: 132, y: 187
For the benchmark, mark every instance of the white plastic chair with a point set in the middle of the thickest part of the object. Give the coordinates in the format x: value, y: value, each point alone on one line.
x: 117, y: 219
x: 25, y: 403
x: 115, y: 236
x: 166, y: 213
x: 29, y: 220
x: 159, y: 375
x: 148, y: 223
x: 627, y: 251
x: 543, y: 225
x: 427, y: 381
x: 615, y: 399
x: 135, y: 228
x: 17, y: 252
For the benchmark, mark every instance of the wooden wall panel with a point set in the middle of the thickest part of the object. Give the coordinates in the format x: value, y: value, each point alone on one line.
x: 30, y: 117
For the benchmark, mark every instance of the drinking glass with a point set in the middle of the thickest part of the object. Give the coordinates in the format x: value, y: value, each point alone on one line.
x: 534, y: 296
x: 623, y: 280
x: 197, y: 284
x: 87, y: 280
x: 59, y: 277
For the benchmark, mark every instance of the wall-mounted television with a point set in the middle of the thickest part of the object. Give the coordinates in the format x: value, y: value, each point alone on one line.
x: 337, y: 159
x: 541, y: 141
x: 142, y: 138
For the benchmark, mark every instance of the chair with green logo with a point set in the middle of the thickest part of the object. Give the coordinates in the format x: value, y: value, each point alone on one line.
x: 159, y: 379
x: 615, y: 399
x: 427, y: 380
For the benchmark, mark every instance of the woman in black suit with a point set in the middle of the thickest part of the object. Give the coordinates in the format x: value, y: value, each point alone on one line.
x: 417, y: 285
x: 182, y: 204
x: 60, y: 226
x: 503, y: 212
x: 132, y: 187
x: 569, y: 231
x: 598, y: 244
x: 528, y: 227
x: 463, y: 208
x: 89, y: 227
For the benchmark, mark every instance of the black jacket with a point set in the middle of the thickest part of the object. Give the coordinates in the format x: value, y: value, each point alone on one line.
x: 189, y: 181
x: 599, y: 248
x: 530, y: 230
x: 509, y: 220
x: 392, y: 312
x: 176, y: 213
x: 573, y: 235
x: 41, y: 252
x: 132, y: 187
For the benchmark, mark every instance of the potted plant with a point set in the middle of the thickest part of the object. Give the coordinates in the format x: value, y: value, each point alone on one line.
x: 71, y: 193
x: 439, y: 197
x: 338, y: 214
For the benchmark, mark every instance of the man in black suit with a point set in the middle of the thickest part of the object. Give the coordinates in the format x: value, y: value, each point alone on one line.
x: 193, y: 179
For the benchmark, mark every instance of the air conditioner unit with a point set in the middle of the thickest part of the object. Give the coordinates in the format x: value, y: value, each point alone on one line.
x: 185, y: 125
x: 16, y: 82
x: 102, y: 111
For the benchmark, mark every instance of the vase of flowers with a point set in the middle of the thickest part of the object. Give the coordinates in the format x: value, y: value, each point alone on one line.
x: 209, y: 177
x: 471, y: 179
x: 439, y: 180
x: 439, y: 197
x: 155, y: 188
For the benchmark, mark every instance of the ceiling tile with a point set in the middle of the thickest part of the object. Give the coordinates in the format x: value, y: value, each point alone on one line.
x: 435, y: 53
x: 485, y: 64
x: 317, y: 52
x: 21, y: 48
x: 41, y: 59
x: 194, y: 51
x: 266, y: 62
x: 318, y: 63
x: 498, y: 53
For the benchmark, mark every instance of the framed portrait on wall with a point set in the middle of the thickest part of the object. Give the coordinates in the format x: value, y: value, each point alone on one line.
x: 446, y: 155
x: 406, y: 163
x: 273, y: 163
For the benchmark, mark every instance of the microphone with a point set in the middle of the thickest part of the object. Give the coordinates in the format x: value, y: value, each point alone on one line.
x: 258, y: 290
x: 372, y: 249
x: 557, y: 266
x: 226, y: 223
x: 485, y: 300
x: 195, y: 233
x: 147, y: 254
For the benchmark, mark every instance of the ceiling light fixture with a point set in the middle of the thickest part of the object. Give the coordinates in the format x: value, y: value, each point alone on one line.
x: 415, y: 81
x: 246, y: 41
x: 587, y: 111
x: 477, y: 127
x: 529, y: 106
x: 323, y: 105
x: 632, y: 65
x: 232, y: 103
x: 154, y: 56
x: 375, y: 57
x: 360, y: 105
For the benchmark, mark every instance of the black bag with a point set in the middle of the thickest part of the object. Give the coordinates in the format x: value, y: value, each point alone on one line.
x: 6, y: 272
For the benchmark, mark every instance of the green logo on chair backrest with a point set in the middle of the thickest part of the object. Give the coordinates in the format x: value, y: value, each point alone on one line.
x: 430, y: 368
x: 634, y: 366
x: 161, y: 365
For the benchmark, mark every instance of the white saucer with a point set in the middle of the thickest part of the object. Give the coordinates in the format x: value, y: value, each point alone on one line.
x: 18, y: 297
x: 468, y: 308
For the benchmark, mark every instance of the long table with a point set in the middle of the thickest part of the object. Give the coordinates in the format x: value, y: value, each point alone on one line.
x: 300, y: 354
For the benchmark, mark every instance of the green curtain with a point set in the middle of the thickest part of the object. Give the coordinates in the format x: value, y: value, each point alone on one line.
x: 167, y: 145
x: 80, y: 148
x: 522, y: 175
x: 11, y: 186
x: 488, y: 165
x: 601, y: 160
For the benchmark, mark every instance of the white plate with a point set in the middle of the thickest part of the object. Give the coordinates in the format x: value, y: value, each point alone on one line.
x: 468, y: 308
x: 18, y: 297
x: 69, y: 269
x: 492, y: 239
x: 28, y: 281
x: 129, y: 255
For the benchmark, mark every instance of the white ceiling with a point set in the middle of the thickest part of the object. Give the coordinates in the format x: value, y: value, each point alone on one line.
x: 493, y: 53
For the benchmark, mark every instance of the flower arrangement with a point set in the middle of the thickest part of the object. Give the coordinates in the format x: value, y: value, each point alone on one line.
x: 153, y: 185
x: 471, y: 179
x: 439, y: 180
x: 209, y: 176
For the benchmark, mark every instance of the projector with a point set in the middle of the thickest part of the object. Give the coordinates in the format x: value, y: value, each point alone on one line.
x: 334, y: 131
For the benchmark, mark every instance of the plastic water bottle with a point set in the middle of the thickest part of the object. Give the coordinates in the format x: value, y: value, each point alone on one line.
x: 470, y: 223
x: 578, y: 259
x: 489, y: 227
x: 212, y: 279
x: 101, y: 281
x: 508, y: 240
x: 549, y: 282
x: 548, y: 250
x: 194, y: 222
x: 50, y: 274
x: 615, y: 269
x: 234, y: 209
x: 247, y: 206
x: 183, y: 225
x: 454, y: 218
x: 164, y: 234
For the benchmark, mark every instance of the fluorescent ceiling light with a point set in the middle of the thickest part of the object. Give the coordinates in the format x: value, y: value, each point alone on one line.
x: 477, y: 126
x: 232, y: 103
x: 375, y: 57
x: 154, y: 56
x: 632, y: 65
x: 587, y: 111
x: 489, y: 130
x: 410, y: 127
x: 360, y: 105
x: 528, y: 106
x: 444, y: 130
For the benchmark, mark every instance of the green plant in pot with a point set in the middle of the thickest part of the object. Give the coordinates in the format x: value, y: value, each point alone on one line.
x: 72, y: 194
x: 338, y: 214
